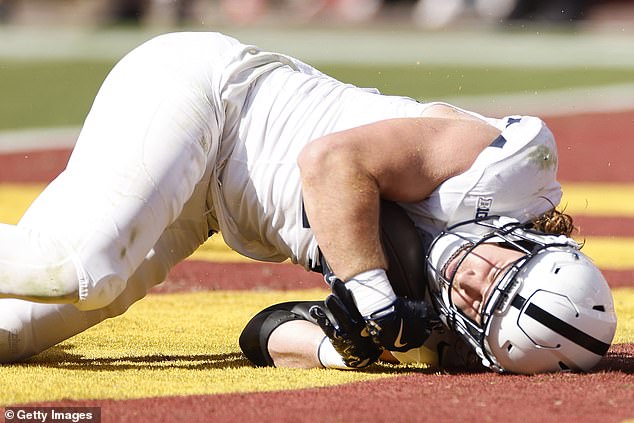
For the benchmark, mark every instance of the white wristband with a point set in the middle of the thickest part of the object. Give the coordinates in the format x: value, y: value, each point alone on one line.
x: 371, y: 291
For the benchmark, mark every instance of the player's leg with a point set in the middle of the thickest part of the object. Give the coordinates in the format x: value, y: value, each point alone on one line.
x: 286, y: 335
x: 145, y: 145
x: 290, y: 346
x: 28, y: 328
x: 297, y: 344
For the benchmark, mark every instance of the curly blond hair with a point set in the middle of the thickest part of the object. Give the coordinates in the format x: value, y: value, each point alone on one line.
x: 554, y: 222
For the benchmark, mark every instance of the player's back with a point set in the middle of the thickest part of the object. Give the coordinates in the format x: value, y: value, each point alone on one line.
x: 285, y: 109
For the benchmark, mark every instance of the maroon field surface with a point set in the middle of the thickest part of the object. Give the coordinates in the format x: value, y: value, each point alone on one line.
x: 605, y: 396
x: 592, y: 148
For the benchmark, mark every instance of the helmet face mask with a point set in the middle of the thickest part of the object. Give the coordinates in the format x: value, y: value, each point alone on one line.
x: 533, y: 319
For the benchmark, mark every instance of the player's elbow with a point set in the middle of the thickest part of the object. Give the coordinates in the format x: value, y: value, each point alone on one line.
x: 324, y: 158
x: 309, y: 160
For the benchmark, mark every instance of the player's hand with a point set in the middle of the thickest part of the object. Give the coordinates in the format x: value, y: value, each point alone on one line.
x: 404, y: 325
x: 347, y: 328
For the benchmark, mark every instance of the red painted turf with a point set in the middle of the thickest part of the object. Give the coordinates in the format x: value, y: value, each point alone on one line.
x: 200, y: 275
x: 32, y: 166
x: 604, y: 226
x: 605, y: 396
x: 595, y: 147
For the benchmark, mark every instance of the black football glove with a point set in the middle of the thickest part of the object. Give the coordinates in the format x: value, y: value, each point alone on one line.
x: 404, y: 325
x: 348, y: 333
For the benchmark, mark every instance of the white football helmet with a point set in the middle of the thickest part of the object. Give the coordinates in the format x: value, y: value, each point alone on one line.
x: 551, y: 310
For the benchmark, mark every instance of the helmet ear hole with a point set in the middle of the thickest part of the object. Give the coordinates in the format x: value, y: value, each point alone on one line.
x: 563, y: 366
x: 509, y: 347
x: 599, y: 308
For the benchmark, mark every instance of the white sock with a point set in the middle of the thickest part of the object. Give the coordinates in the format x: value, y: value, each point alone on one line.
x: 329, y: 357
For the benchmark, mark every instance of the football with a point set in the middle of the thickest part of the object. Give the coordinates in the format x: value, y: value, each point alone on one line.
x: 404, y: 251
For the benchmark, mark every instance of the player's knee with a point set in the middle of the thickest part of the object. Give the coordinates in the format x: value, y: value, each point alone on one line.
x: 13, y: 342
x: 39, y: 268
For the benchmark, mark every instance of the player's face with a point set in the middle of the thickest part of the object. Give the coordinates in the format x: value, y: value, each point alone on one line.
x: 475, y: 276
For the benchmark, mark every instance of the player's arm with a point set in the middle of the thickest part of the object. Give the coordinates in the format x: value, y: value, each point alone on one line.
x: 345, y: 174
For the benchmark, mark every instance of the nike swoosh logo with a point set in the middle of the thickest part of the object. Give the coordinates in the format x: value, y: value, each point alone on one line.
x: 397, y: 342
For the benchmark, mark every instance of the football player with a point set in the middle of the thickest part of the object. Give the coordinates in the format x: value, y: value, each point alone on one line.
x: 197, y: 133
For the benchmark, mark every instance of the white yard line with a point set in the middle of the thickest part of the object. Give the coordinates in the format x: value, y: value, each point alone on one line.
x: 482, y: 48
x: 455, y: 48
x: 38, y: 139
x: 567, y: 101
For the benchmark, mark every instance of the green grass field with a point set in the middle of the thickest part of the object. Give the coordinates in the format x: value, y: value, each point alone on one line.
x: 59, y: 93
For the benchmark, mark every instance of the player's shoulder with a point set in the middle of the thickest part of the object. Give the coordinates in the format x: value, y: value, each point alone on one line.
x: 517, y: 132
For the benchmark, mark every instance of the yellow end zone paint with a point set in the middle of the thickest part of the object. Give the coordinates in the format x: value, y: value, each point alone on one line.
x: 187, y: 344
x: 176, y: 344
x: 624, y: 306
x: 608, y: 200
x: 15, y: 199
x: 592, y: 199
x: 610, y: 253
